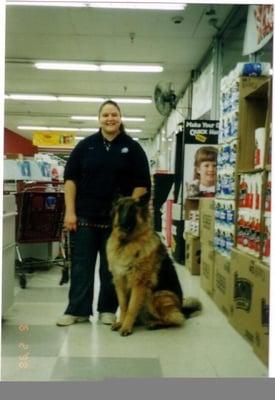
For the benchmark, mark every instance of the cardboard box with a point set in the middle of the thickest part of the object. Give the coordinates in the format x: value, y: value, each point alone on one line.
x: 249, y: 287
x: 207, y: 268
x: 192, y: 254
x: 207, y: 220
x: 261, y: 342
x: 222, y: 293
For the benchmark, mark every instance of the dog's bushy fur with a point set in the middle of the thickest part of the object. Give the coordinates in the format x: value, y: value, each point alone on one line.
x: 144, y: 276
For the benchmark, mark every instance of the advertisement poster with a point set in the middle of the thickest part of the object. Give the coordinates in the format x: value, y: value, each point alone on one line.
x: 53, y: 139
x: 259, y: 28
x: 200, y: 156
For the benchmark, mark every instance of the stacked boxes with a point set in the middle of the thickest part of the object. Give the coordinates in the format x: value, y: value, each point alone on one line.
x: 192, y: 240
x: 192, y: 254
x: 249, y: 300
x: 222, y: 282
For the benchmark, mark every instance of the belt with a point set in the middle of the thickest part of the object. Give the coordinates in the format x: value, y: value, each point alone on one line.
x: 93, y: 225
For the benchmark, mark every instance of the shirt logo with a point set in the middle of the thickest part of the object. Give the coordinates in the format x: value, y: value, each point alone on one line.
x: 124, y: 150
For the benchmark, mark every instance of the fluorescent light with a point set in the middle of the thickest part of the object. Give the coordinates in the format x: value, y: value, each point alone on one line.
x: 32, y: 97
x: 111, y: 67
x: 81, y: 99
x: 37, y: 128
x: 121, y: 4
x: 95, y: 118
x: 66, y: 66
x: 55, y: 128
x: 134, y: 130
x: 48, y: 3
x: 140, y: 5
x: 130, y: 68
x: 133, y: 119
x: 84, y: 118
x: 88, y: 129
x: 79, y: 137
x: 128, y: 100
x: 136, y: 139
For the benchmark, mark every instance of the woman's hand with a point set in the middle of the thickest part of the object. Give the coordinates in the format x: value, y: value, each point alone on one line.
x: 70, y: 221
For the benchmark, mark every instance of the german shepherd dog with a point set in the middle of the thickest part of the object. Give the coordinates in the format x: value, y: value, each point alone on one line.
x: 145, y: 279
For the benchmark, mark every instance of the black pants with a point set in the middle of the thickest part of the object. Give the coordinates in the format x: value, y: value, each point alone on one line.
x: 87, y: 242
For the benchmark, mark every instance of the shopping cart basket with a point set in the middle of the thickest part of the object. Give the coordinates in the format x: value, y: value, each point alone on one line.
x: 40, y: 220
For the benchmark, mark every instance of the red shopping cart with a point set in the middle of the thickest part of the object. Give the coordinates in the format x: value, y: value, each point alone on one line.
x: 40, y: 220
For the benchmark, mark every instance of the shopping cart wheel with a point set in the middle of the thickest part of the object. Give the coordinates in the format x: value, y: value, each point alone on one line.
x: 22, y: 281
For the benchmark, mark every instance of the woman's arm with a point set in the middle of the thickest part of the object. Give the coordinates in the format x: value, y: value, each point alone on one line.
x: 70, y: 218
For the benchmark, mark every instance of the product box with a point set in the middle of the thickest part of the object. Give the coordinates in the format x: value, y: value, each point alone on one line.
x: 191, y: 215
x: 192, y: 254
x: 247, y: 290
x: 260, y: 344
x: 222, y: 293
x: 207, y: 220
x: 207, y: 268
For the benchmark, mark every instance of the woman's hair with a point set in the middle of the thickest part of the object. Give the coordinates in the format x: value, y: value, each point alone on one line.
x: 207, y: 153
x: 113, y: 103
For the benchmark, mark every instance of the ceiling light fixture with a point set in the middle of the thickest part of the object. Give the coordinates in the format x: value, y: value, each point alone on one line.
x: 111, y: 67
x: 65, y: 129
x: 121, y: 4
x: 32, y: 97
x: 66, y: 66
x: 56, y: 128
x: 95, y: 118
x: 134, y: 130
x: 80, y: 99
x: 130, y: 68
x: 129, y: 100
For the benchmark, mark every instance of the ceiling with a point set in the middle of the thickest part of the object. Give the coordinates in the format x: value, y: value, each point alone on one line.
x: 78, y: 34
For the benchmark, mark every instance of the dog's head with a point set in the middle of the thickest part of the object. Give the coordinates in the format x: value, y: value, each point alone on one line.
x: 129, y: 214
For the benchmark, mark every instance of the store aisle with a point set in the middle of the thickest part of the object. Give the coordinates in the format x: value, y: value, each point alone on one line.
x: 35, y: 349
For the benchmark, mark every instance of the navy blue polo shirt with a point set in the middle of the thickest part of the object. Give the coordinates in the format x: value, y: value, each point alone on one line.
x: 102, y: 175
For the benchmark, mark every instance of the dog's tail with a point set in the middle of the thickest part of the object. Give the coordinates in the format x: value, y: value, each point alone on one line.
x: 190, y: 306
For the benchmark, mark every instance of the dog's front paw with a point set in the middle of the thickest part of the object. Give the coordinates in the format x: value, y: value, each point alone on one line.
x: 116, y: 326
x: 126, y: 330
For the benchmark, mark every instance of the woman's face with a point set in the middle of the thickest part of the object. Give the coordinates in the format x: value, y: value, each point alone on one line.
x: 110, y: 119
x: 207, y: 171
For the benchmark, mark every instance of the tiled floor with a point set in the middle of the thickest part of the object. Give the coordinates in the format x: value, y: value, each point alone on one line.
x: 35, y: 349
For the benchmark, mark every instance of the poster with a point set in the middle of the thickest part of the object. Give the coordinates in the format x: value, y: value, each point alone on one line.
x: 199, y: 158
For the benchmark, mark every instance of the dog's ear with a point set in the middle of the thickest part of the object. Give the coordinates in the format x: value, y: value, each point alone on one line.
x: 114, y: 206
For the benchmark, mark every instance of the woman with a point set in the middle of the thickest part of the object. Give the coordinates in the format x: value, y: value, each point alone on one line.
x: 100, y: 168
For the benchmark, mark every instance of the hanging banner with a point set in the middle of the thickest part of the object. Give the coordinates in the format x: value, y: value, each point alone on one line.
x: 259, y: 28
x: 53, y: 139
x: 202, y: 92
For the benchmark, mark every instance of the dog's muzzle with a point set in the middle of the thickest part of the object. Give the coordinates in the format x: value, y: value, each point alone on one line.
x: 127, y: 220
